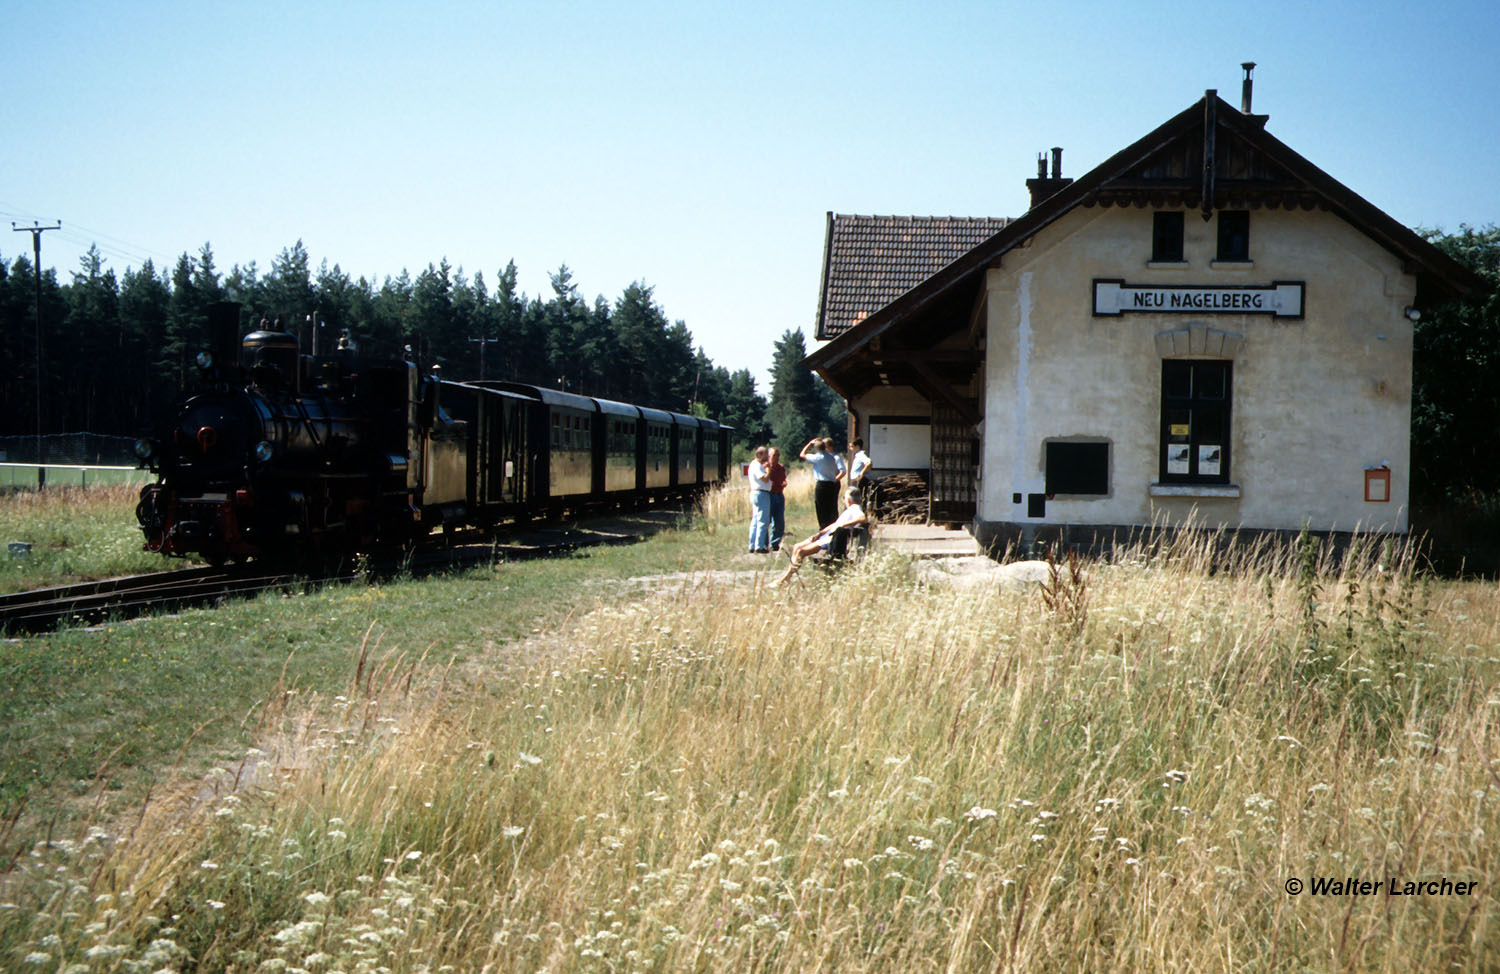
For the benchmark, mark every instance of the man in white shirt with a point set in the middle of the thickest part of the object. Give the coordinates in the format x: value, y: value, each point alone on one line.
x: 860, y: 465
x: 760, y: 502
x: 853, y: 516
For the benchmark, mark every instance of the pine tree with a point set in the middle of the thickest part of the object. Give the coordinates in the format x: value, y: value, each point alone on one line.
x: 797, y: 412
x: 745, y: 409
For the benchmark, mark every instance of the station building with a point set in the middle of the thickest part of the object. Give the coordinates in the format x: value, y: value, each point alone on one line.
x: 1204, y: 326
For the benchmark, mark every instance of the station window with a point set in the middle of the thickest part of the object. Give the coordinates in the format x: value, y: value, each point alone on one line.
x: 1077, y: 468
x: 1234, y: 235
x: 1166, y: 237
x: 1195, y: 401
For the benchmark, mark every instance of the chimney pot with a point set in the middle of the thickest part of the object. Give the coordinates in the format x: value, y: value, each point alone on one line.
x: 1056, y: 162
x: 1041, y: 165
x: 1245, y: 86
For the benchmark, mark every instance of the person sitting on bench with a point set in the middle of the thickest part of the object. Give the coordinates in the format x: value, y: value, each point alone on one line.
x: 852, y: 517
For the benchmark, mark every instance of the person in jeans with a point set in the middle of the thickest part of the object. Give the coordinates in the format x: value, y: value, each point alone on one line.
x: 777, y: 473
x: 760, y: 503
x: 828, y: 472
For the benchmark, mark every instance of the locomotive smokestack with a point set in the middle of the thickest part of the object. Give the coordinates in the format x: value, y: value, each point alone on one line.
x: 224, y: 334
x: 1246, y: 86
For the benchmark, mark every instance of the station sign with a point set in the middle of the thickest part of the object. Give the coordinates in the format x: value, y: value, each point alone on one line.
x: 1280, y: 299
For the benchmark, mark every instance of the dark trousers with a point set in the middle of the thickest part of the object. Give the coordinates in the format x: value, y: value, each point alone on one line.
x: 826, y: 501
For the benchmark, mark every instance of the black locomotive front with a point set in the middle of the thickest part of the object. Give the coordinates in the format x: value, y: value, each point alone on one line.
x: 281, y: 455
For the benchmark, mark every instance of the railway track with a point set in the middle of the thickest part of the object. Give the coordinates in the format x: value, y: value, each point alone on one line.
x: 88, y: 602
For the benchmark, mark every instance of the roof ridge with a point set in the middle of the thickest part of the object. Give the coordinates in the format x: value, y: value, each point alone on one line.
x: 915, y: 216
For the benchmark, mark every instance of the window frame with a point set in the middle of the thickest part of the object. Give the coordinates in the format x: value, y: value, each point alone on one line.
x: 1234, y: 236
x: 1202, y: 410
x: 1163, y: 229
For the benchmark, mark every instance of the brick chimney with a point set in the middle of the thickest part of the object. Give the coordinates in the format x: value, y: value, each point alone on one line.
x: 1043, y: 185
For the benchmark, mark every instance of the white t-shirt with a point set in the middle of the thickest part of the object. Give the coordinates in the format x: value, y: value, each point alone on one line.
x: 853, y: 514
x: 861, y: 464
x: 760, y: 477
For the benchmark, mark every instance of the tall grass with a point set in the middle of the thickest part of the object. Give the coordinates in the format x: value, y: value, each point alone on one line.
x: 863, y: 774
x: 75, y: 533
x: 728, y: 504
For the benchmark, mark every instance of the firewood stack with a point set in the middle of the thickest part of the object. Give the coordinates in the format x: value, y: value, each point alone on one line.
x: 901, y: 499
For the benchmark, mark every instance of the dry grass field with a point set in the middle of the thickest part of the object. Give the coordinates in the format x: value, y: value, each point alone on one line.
x: 1127, y: 770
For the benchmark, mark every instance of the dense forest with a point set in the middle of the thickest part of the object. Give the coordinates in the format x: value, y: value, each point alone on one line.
x: 118, y: 350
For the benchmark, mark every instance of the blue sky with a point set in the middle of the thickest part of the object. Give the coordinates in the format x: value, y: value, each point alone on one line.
x: 695, y: 146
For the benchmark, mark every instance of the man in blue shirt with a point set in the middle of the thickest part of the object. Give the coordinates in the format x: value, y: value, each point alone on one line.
x: 828, y: 473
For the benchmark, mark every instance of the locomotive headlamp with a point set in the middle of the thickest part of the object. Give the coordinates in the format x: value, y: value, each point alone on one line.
x: 144, y: 448
x: 264, y: 451
x: 205, y: 360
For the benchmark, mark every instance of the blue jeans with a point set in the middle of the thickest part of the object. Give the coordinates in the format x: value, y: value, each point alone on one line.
x: 760, y: 520
x: 778, y: 518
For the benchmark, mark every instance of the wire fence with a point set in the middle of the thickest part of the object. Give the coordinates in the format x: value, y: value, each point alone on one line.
x: 70, y: 449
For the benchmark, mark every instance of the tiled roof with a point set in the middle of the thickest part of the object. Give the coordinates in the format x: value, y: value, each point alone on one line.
x: 871, y: 261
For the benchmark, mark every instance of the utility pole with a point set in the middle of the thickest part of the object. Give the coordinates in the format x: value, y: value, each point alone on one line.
x: 36, y: 230
x: 482, y: 342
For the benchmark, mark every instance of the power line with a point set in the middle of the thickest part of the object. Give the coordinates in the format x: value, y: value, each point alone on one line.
x: 108, y: 244
x: 482, y: 343
x: 36, y: 230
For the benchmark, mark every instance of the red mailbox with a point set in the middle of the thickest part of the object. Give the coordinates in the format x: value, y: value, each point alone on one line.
x: 1378, y: 484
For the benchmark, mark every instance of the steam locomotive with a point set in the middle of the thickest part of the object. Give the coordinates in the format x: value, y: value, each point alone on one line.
x: 283, y: 456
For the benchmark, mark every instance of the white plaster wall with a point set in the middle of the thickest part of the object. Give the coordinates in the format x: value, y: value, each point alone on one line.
x: 1315, y: 400
x: 886, y: 401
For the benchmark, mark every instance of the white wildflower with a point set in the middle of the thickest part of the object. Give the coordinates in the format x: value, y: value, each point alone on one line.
x: 531, y: 759
x: 978, y: 814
